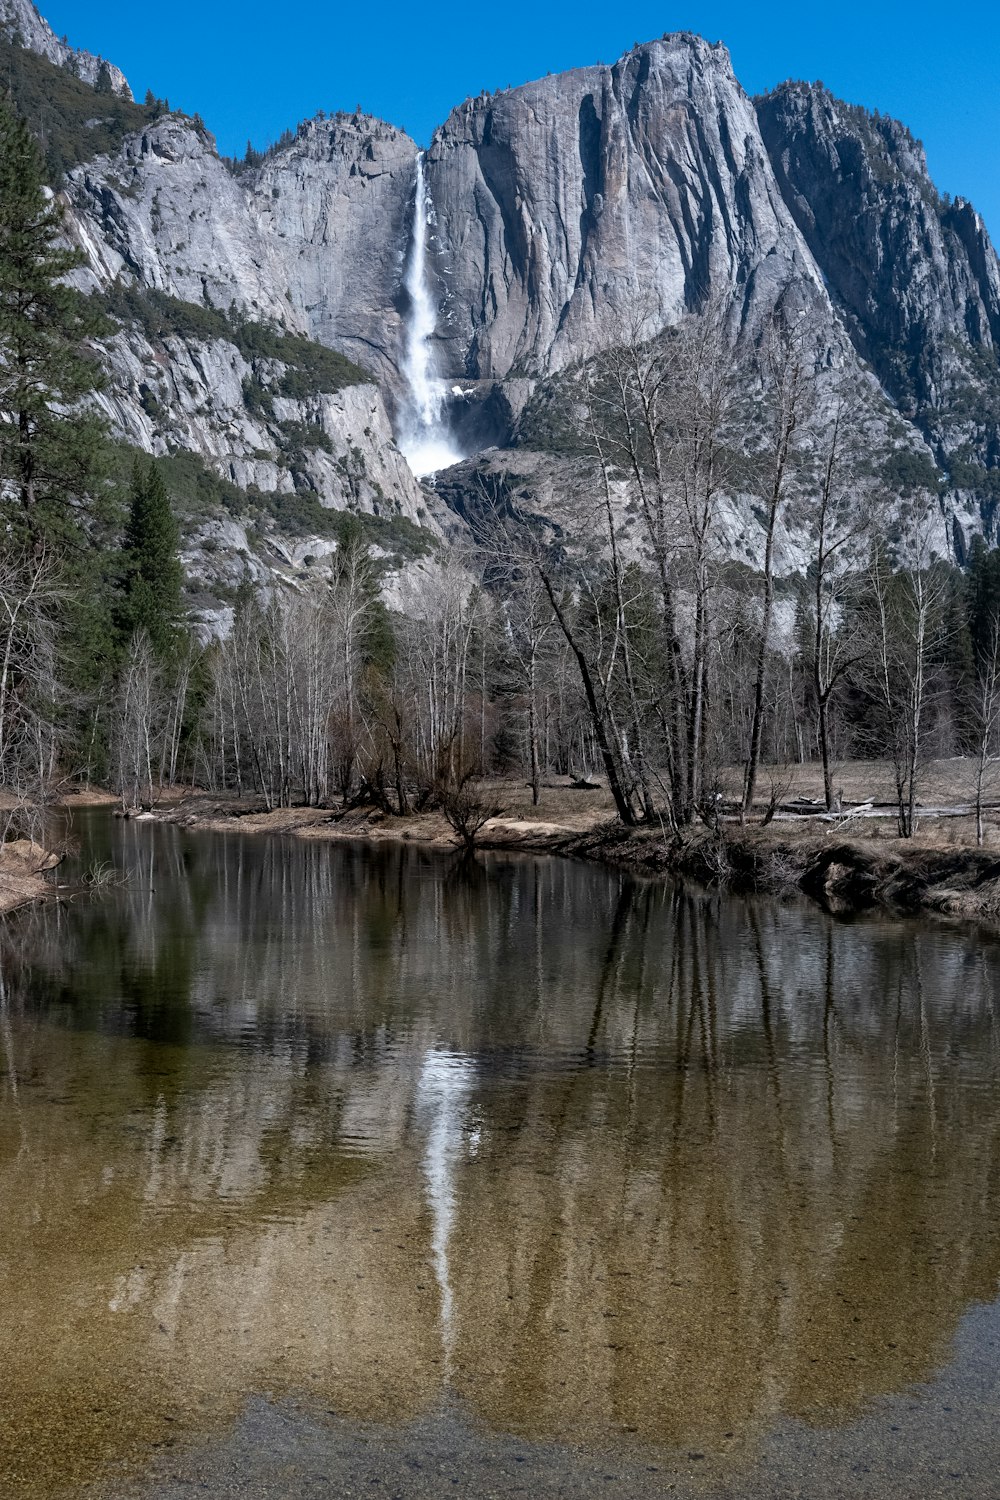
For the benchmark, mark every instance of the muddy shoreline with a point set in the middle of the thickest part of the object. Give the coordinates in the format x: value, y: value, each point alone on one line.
x: 843, y: 876
x: 24, y: 872
x: 26, y: 866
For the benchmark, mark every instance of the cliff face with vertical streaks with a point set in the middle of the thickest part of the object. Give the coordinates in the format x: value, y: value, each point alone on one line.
x: 21, y: 22
x: 913, y: 275
x: 566, y: 205
x: 562, y: 211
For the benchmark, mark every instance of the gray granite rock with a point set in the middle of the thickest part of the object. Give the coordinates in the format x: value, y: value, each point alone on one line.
x: 560, y: 209
x: 21, y: 22
x: 913, y: 274
x: 565, y: 205
x: 336, y: 206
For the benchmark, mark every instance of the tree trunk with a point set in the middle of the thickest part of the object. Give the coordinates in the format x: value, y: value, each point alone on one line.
x: 622, y: 804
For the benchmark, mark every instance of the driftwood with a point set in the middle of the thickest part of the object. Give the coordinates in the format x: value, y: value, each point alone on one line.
x: 815, y: 811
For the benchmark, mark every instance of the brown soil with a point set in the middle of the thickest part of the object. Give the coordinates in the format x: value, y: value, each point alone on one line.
x: 87, y: 796
x: 845, y: 866
x: 71, y: 796
x: 23, y: 867
x: 562, y: 813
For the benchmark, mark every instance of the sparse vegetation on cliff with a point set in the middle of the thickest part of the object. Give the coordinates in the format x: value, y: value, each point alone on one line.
x: 72, y: 121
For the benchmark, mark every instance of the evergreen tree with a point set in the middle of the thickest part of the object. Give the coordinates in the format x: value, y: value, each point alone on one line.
x: 153, y: 575
x: 51, y: 446
x: 954, y: 653
x: 55, y: 503
x: 982, y: 594
x: 355, y: 573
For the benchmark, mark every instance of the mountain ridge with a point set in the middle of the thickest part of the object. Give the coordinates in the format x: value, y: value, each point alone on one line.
x: 556, y: 207
x: 21, y: 18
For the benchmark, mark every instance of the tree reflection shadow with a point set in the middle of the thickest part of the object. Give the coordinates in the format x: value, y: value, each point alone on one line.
x: 707, y: 1163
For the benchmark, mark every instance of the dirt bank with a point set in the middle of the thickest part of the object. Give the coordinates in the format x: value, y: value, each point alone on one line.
x: 25, y: 863
x: 842, y: 875
x: 844, y: 868
x: 23, y: 874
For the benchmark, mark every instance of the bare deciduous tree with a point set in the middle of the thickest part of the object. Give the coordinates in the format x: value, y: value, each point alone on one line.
x: 136, y: 724
x: 986, y: 715
x: 904, y: 612
x: 786, y: 394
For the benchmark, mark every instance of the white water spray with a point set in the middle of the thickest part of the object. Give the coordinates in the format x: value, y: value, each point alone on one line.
x: 425, y: 441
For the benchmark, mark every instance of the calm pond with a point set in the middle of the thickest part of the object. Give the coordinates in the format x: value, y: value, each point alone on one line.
x: 330, y: 1169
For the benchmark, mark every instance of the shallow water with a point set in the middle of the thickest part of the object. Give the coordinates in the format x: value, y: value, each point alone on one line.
x: 325, y: 1165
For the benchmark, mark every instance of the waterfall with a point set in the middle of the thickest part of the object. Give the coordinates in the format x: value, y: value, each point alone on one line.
x: 425, y: 440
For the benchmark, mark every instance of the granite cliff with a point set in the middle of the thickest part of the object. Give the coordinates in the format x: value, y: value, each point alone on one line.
x: 563, y: 203
x: 555, y: 210
x: 913, y: 275
x: 20, y: 22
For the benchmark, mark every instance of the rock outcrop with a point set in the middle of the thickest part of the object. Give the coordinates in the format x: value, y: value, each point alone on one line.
x: 336, y: 206
x: 166, y: 212
x: 566, y: 206
x: 166, y: 218
x: 913, y: 275
x: 21, y: 23
x: 284, y: 464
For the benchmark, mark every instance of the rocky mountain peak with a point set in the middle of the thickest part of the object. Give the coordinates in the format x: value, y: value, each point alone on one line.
x: 562, y: 203
x: 21, y: 23
x: 555, y: 214
x: 858, y: 185
x: 890, y: 151
x: 356, y: 136
x: 913, y: 274
x: 338, y: 201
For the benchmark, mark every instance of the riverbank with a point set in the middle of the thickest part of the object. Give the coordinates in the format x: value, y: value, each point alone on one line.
x: 24, y: 870
x: 844, y: 876
x: 846, y: 865
x: 849, y: 865
x: 25, y: 864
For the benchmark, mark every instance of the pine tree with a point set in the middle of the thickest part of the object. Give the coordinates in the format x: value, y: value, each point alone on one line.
x: 153, y: 575
x: 954, y: 653
x: 55, y: 503
x: 51, y: 445
x: 355, y: 572
x: 982, y: 595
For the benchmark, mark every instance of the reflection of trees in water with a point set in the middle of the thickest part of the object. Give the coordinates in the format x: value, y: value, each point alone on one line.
x: 712, y: 1161
x: 789, y: 1215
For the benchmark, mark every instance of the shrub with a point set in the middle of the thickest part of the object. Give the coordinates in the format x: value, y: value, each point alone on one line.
x: 73, y: 121
x: 468, y: 805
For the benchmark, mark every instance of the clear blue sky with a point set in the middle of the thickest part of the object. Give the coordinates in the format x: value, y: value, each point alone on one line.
x: 251, y: 69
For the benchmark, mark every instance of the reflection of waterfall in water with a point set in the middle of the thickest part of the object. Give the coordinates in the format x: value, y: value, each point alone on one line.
x: 442, y: 1093
x: 425, y: 440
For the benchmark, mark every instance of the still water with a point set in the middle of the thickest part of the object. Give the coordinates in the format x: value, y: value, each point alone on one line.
x: 520, y: 1166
